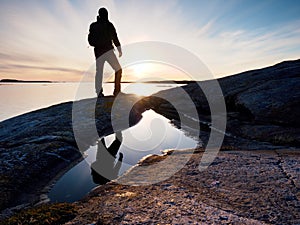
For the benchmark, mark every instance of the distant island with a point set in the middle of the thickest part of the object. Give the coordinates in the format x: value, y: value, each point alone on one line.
x: 46, y: 81
x: 24, y: 81
x: 161, y: 81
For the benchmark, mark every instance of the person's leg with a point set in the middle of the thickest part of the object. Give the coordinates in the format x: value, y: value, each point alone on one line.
x: 114, y: 63
x: 99, y: 76
x: 115, y: 145
x: 118, y: 76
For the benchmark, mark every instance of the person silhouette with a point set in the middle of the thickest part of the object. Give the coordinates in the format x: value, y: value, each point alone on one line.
x: 102, y: 36
x: 104, y: 168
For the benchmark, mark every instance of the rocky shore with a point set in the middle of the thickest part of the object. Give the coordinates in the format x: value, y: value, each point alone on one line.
x: 262, y: 106
x: 254, y: 180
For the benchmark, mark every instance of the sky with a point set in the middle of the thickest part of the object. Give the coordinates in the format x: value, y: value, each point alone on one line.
x: 47, y: 40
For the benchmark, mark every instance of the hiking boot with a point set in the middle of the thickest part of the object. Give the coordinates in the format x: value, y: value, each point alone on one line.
x: 100, y: 95
x: 116, y: 92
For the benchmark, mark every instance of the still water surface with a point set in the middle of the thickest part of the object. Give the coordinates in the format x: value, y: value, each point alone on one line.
x: 151, y: 135
x: 19, y: 98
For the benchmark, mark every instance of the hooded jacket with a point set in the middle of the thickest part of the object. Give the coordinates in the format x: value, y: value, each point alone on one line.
x: 108, y: 35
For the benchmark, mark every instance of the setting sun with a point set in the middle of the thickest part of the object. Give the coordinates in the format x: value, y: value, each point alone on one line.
x: 152, y: 71
x: 140, y: 70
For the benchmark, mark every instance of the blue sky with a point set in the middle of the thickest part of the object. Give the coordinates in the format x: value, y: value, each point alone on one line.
x: 244, y: 13
x: 47, y: 39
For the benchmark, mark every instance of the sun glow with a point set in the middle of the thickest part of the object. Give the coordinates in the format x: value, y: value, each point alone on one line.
x: 152, y: 71
x: 140, y: 70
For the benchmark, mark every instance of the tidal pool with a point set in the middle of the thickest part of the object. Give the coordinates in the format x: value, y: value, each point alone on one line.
x: 151, y: 135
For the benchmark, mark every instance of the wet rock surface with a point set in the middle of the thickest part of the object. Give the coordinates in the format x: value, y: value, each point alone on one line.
x: 239, y: 187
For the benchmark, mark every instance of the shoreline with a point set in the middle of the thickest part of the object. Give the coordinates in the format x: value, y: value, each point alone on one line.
x: 47, y: 188
x: 39, y: 192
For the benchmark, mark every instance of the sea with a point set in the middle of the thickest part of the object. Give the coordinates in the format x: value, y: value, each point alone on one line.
x: 20, y: 98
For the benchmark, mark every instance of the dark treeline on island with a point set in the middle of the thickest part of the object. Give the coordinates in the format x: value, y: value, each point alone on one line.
x: 24, y: 81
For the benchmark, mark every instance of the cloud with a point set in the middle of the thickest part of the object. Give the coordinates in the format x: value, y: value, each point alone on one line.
x: 241, y: 50
x: 59, y: 69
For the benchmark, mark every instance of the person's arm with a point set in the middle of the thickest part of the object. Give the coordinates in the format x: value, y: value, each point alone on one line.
x: 116, y: 41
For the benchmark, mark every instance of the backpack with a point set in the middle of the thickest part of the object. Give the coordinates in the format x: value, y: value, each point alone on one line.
x: 97, y: 35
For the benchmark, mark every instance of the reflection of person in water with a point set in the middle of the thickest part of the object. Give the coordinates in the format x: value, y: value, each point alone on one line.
x: 104, y: 168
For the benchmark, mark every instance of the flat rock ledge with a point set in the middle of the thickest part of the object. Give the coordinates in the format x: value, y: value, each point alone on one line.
x: 239, y: 187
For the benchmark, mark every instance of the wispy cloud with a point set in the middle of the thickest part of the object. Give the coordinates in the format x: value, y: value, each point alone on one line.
x: 58, y: 69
